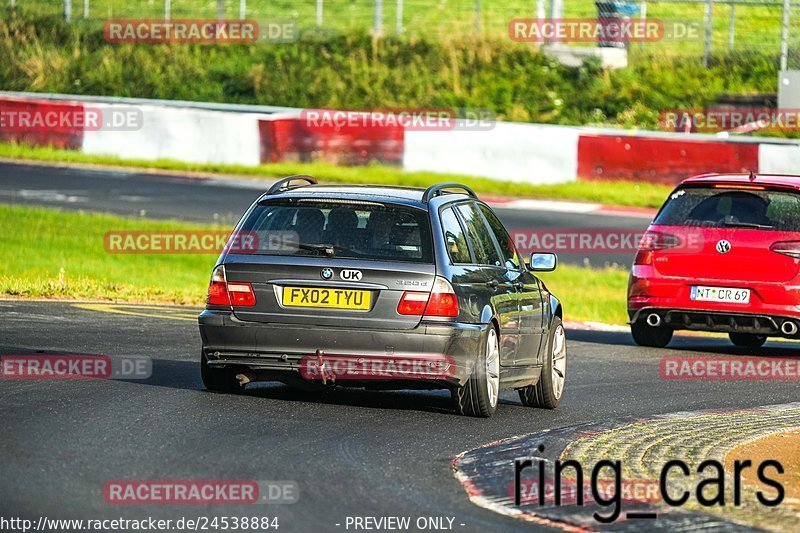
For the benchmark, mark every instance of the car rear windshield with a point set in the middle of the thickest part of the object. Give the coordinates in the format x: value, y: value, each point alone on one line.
x: 719, y: 207
x: 342, y: 229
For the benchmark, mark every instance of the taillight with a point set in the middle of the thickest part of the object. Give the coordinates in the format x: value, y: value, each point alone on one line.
x: 218, y: 288
x: 652, y: 241
x: 443, y: 301
x: 218, y: 294
x: 638, y: 287
x: 222, y: 293
x: 655, y: 240
x: 790, y: 248
x: 242, y: 294
x: 440, y: 302
x: 412, y: 303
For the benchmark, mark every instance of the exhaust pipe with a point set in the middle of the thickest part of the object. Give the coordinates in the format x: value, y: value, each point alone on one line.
x: 789, y: 328
x: 244, y: 378
x: 653, y: 320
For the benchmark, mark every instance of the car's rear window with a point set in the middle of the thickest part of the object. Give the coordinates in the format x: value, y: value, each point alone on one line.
x: 341, y: 229
x: 729, y: 207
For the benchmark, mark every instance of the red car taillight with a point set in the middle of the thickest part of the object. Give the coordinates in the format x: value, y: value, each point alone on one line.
x: 242, y: 294
x: 638, y: 287
x: 412, y: 303
x: 443, y: 301
x: 220, y: 292
x: 440, y: 302
x: 652, y: 241
x: 790, y: 248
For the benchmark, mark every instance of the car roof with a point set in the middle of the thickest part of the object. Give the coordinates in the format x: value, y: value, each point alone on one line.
x: 411, y: 196
x: 777, y: 180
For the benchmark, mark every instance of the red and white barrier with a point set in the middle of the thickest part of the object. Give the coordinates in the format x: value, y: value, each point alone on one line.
x: 532, y: 153
x: 41, y: 122
x: 661, y: 159
x: 779, y: 158
x: 190, y: 135
x: 529, y: 153
x: 296, y: 139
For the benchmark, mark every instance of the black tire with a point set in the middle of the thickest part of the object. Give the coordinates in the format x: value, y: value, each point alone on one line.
x: 747, y: 340
x: 473, y: 398
x: 217, y: 379
x: 654, y: 337
x: 545, y: 394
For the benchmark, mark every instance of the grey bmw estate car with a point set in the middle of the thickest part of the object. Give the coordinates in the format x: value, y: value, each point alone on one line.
x: 382, y: 287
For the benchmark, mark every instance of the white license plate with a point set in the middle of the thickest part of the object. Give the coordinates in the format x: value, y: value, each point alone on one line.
x: 720, y: 294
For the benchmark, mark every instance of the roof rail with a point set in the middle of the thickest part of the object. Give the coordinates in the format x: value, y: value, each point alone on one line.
x: 283, y: 185
x: 436, y: 190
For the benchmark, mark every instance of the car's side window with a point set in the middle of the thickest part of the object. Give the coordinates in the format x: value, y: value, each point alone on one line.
x: 503, y: 238
x: 454, y: 238
x: 479, y: 237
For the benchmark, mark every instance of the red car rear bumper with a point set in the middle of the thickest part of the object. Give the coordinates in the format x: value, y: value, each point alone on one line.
x: 770, y: 305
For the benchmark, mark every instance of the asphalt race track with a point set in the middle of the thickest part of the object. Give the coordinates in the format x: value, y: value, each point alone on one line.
x: 352, y: 453
x: 164, y: 196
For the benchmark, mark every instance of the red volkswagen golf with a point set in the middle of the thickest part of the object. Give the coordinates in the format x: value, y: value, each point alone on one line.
x: 723, y: 254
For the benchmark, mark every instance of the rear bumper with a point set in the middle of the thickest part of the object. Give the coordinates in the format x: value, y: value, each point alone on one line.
x: 771, y: 304
x: 718, y: 321
x: 275, y: 351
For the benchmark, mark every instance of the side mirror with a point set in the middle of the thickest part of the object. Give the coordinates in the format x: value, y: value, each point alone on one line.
x: 543, y: 262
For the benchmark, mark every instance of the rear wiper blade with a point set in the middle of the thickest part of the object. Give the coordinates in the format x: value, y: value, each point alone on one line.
x: 326, y: 249
x: 734, y: 224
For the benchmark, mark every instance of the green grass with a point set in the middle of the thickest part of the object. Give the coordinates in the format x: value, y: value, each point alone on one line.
x: 356, y: 71
x: 61, y: 255
x: 756, y: 26
x: 590, y: 294
x: 612, y: 193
